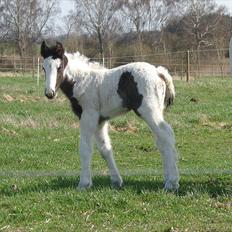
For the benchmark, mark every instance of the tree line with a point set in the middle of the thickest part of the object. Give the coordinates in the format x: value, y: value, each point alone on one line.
x: 100, y: 28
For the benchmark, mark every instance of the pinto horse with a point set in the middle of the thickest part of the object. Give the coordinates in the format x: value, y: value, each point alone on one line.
x: 98, y: 94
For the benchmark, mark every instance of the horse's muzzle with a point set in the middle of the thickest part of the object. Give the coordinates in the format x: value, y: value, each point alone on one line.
x: 50, y: 94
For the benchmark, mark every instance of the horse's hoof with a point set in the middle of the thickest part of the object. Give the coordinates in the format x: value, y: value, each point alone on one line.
x: 84, y: 186
x: 171, y: 186
x: 117, y: 184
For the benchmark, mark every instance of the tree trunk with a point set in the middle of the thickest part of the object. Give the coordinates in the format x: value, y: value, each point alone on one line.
x: 22, y: 44
x: 101, y: 47
x: 230, y: 52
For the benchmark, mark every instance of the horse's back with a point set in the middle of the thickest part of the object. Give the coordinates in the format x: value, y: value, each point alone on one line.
x: 139, y: 79
x: 145, y: 75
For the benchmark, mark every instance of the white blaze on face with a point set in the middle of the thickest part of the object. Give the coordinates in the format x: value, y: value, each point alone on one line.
x: 50, y: 67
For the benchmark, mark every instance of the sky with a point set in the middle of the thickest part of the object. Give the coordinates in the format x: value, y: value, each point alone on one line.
x: 67, y: 5
x: 226, y: 3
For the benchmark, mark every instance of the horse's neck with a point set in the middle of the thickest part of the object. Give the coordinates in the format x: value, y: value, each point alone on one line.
x: 76, y: 73
x: 79, y: 66
x: 67, y: 87
x: 73, y: 76
x: 80, y: 75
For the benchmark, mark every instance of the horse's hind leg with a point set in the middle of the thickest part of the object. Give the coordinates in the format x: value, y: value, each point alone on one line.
x: 165, y: 142
x: 105, y: 148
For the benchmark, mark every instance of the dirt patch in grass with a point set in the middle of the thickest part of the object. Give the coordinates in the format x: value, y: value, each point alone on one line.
x: 8, y: 132
x: 224, y: 205
x: 10, y: 74
x: 26, y: 122
x: 130, y: 128
x: 204, y: 120
x: 21, y: 98
x: 8, y: 98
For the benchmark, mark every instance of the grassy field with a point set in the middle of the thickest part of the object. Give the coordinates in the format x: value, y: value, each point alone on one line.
x: 39, y: 165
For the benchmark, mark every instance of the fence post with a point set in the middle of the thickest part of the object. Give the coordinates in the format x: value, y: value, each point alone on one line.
x: 230, y: 54
x: 38, y: 72
x: 110, y: 62
x: 182, y: 69
x: 33, y: 67
x: 24, y: 65
x: 187, y: 67
x: 14, y: 65
x: 103, y: 61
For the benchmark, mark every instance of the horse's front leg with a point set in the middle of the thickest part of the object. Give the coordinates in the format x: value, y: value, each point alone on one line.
x: 105, y: 148
x: 88, y: 125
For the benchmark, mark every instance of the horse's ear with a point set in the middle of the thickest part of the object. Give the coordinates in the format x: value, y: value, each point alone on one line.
x: 59, y: 50
x: 44, y: 49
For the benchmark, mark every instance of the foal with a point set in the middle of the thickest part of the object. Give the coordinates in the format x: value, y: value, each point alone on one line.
x: 98, y: 94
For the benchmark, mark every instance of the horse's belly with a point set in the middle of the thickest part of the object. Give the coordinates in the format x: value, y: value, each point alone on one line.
x: 112, y: 108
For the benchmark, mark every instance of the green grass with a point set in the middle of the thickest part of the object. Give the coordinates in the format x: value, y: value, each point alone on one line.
x: 39, y: 165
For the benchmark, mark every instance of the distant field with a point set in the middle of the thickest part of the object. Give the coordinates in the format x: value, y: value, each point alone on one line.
x: 39, y: 165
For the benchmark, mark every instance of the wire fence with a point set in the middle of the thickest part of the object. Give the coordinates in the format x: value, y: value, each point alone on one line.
x: 19, y: 65
x: 185, y: 65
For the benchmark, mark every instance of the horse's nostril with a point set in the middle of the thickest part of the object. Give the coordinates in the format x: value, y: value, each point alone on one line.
x: 50, y: 94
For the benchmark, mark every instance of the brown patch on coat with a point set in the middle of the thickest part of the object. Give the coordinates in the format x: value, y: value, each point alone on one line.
x: 128, y: 91
x: 60, y: 72
x: 67, y: 88
x: 102, y: 119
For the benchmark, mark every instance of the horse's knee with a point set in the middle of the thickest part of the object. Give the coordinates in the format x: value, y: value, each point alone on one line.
x: 165, y: 134
x: 105, y: 152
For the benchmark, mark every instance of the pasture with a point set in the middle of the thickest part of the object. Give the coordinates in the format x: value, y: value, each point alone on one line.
x: 39, y: 165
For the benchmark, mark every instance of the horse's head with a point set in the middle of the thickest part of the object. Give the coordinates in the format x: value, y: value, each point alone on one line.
x: 54, y: 64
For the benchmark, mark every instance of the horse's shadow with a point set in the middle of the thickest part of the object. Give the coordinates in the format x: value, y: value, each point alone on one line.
x: 214, y: 187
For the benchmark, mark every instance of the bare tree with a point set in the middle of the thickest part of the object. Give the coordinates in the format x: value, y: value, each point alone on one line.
x: 197, y: 23
x: 230, y: 54
x: 72, y: 31
x: 222, y: 33
x: 98, y: 18
x: 24, y: 21
x: 136, y: 13
x: 200, y: 20
x: 70, y: 23
x: 145, y: 15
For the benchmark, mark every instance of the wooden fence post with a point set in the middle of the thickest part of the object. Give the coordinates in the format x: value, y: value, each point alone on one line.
x: 33, y: 67
x: 187, y: 67
x: 38, y: 71
x: 103, y: 61
x: 230, y: 54
x: 14, y: 63
x: 182, y: 69
x: 24, y: 65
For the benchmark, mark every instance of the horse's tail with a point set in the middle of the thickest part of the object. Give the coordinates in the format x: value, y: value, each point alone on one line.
x: 170, y: 89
